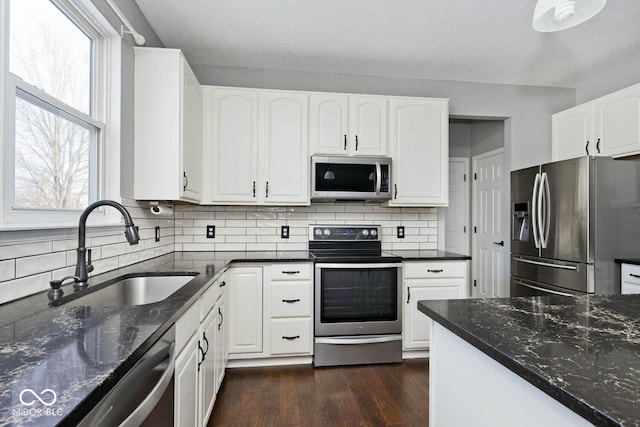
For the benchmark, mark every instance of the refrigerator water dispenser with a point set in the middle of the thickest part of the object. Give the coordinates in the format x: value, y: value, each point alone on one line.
x: 521, y: 221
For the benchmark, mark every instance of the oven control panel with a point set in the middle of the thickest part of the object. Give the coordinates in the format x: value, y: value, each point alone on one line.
x: 344, y: 232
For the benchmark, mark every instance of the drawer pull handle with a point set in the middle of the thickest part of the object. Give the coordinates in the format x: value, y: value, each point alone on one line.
x: 290, y: 301
x: 223, y: 284
x: 435, y: 271
x: 291, y: 338
x: 634, y: 275
x: 290, y: 272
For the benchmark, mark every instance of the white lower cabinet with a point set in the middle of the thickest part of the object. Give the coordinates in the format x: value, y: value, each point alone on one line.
x: 201, y: 361
x: 630, y: 279
x: 271, y: 311
x: 428, y: 280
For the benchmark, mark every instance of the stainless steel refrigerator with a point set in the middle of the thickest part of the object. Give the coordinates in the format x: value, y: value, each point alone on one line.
x: 569, y: 221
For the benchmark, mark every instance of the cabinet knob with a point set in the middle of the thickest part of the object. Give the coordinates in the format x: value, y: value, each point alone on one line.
x: 356, y: 142
x: 586, y: 148
x: 435, y: 271
x: 267, y: 189
x: 291, y: 338
x: 598, y: 146
x: 291, y: 301
x: 345, y: 142
x: 290, y: 272
x: 254, y: 189
x: 395, y: 191
x: 408, y: 294
x: 185, y: 180
x: 221, y: 318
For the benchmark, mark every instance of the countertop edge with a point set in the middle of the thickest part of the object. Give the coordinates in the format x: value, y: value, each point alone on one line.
x: 577, y: 405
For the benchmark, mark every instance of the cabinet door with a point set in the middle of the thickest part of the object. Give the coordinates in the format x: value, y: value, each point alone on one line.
x: 572, y: 133
x: 329, y: 123
x: 232, y: 123
x: 186, y: 411
x: 245, y: 310
x: 207, y: 370
x: 368, y: 125
x: 191, y: 136
x: 221, y: 340
x: 415, y: 333
x: 618, y: 122
x: 420, y: 146
x: 284, y: 148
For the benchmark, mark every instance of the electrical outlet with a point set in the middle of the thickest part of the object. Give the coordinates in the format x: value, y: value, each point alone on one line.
x: 157, y: 233
x: 284, y: 232
x: 400, y: 232
x: 211, y: 231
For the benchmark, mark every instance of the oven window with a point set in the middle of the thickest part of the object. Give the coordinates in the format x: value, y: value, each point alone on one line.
x: 358, y: 295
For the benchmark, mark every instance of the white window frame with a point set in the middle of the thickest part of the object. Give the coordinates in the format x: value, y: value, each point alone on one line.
x: 105, y: 114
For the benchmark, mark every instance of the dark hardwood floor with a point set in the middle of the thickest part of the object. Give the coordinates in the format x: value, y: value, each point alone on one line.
x: 370, y: 395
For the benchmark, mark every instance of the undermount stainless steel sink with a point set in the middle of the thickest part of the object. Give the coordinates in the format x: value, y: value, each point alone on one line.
x: 137, y: 290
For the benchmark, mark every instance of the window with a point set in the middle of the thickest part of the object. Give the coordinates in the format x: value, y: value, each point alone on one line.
x: 56, y: 107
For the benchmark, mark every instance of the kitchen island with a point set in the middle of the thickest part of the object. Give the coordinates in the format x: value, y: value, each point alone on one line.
x: 535, y: 361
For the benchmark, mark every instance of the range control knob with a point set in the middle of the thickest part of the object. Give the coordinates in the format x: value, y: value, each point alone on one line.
x: 374, y: 232
x: 365, y: 232
x: 318, y: 232
x: 326, y: 232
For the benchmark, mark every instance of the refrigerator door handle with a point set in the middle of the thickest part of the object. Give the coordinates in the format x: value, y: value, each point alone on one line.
x: 534, y: 210
x: 546, y: 264
x: 545, y: 290
x: 544, y: 233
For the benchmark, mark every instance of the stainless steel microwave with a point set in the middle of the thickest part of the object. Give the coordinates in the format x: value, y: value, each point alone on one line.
x: 350, y: 178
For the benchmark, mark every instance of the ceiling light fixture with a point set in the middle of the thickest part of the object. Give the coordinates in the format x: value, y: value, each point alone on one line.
x: 556, y: 15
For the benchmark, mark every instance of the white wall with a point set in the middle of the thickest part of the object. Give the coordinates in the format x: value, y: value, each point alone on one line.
x: 610, y: 83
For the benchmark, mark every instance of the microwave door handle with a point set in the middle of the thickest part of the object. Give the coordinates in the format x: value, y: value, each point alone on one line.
x: 378, y: 177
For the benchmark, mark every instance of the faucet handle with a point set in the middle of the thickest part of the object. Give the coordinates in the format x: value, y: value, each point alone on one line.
x: 89, y: 265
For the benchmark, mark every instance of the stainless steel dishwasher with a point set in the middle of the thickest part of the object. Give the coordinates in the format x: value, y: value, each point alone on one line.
x: 144, y: 396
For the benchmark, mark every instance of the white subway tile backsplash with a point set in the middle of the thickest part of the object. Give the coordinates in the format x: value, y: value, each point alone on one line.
x: 238, y: 228
x: 25, y: 249
x: 7, y: 270
x: 29, y: 266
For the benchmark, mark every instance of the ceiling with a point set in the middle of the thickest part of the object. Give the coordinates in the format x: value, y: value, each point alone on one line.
x: 462, y: 40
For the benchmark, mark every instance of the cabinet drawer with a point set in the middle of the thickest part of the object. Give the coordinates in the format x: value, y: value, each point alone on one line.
x: 631, y: 274
x: 187, y: 325
x: 296, y: 271
x: 209, y: 298
x: 436, y: 270
x: 290, y: 299
x: 290, y: 336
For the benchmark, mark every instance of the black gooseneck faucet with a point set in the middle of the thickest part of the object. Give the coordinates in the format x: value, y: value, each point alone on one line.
x: 83, y: 268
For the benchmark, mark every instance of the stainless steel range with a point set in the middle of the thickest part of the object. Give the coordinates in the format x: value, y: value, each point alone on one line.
x: 358, y: 310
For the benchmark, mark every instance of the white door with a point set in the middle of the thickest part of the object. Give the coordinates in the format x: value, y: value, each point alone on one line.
x: 572, y: 133
x: 192, y: 137
x: 618, y: 121
x: 283, y: 148
x: 329, y: 123
x: 456, y: 222
x: 245, y: 310
x: 488, y: 238
x: 232, y: 121
x: 368, y: 125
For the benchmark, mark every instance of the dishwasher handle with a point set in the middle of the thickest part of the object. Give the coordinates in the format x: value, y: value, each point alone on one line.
x: 146, y: 406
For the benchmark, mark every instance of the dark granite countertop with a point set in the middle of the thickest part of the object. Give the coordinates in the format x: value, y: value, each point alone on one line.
x: 81, y: 352
x: 427, y: 255
x: 583, y: 351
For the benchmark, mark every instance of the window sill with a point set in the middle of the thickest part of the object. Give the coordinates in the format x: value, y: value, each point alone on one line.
x: 28, y: 234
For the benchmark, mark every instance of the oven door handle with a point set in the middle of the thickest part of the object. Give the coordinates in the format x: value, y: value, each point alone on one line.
x: 359, y: 340
x: 347, y: 266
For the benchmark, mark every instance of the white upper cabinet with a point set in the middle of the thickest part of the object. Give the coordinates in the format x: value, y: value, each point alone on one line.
x: 348, y: 125
x: 283, y: 148
x: 419, y: 139
x: 573, y: 133
x: 168, y: 127
x: 617, y: 122
x: 255, y: 147
x: 607, y: 126
x: 231, y: 145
